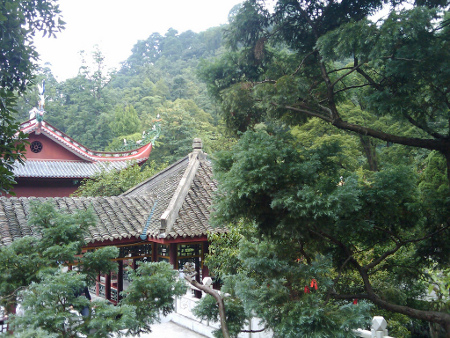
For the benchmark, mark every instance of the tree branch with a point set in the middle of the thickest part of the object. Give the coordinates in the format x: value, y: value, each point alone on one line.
x: 254, y: 331
x: 381, y: 258
x: 303, y: 61
x: 431, y: 144
x: 365, y: 75
x: 303, y: 252
x: 427, y: 236
x: 189, y: 276
x: 422, y: 127
x: 392, y: 57
x: 352, y: 87
x: 307, y: 112
x: 265, y: 81
x: 441, y: 318
x: 346, y: 74
x: 441, y: 145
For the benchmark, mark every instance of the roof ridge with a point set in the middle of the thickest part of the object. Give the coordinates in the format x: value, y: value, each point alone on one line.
x: 170, y: 214
x: 160, y: 175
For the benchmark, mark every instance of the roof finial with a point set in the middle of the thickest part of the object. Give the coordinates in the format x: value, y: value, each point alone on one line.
x: 41, y: 96
x: 38, y: 112
x: 197, y: 144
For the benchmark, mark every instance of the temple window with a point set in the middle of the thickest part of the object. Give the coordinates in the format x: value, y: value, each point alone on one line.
x: 36, y: 147
x: 163, y: 253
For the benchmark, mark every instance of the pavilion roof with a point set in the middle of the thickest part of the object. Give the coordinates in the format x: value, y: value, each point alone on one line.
x: 173, y: 204
x: 183, y: 195
x: 118, y: 217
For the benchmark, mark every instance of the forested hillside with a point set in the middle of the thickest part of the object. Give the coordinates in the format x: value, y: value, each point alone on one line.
x: 336, y: 195
x: 100, y: 108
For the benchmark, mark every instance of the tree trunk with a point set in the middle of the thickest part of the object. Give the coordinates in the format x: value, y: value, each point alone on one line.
x: 220, y: 303
x: 447, y: 157
x: 370, y: 151
x: 441, y: 318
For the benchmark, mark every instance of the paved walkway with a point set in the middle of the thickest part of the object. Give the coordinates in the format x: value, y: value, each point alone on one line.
x: 170, y: 330
x: 166, y: 328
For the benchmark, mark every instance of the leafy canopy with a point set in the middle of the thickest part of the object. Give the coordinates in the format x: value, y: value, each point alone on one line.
x: 33, y: 273
x: 305, y: 59
x: 19, y: 22
x: 300, y: 212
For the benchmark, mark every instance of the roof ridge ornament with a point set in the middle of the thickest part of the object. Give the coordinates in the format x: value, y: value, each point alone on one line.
x: 148, y: 136
x: 197, y: 150
x: 197, y: 144
x: 38, y: 112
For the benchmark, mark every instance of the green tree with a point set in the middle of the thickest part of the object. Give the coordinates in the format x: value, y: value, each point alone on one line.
x: 29, y: 259
x: 152, y: 292
x: 374, y: 236
x: 85, y: 108
x: 32, y: 269
x: 116, y: 182
x: 126, y: 121
x: 182, y: 121
x: 19, y: 22
x: 302, y: 60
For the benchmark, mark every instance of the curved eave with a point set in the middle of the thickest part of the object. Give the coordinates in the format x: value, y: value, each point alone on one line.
x: 140, y: 154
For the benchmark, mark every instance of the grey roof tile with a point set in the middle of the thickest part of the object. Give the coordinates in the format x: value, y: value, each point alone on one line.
x: 126, y: 216
x: 65, y: 169
x: 193, y: 216
x: 118, y: 217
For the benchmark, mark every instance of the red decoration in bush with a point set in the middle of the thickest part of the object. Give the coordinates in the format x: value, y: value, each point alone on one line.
x: 314, y: 284
x: 355, y: 301
x: 307, y: 289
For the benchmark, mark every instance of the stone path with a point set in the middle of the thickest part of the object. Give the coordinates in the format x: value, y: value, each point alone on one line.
x: 170, y: 330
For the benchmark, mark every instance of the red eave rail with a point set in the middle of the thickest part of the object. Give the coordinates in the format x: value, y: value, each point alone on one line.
x: 139, y: 154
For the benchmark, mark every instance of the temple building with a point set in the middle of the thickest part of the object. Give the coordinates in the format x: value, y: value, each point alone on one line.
x: 56, y: 164
x: 165, y: 218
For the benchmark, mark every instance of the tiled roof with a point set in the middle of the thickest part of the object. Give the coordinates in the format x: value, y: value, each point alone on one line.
x: 175, y: 203
x: 184, y: 189
x: 65, y: 169
x: 118, y: 217
x: 162, y: 181
x: 195, y: 211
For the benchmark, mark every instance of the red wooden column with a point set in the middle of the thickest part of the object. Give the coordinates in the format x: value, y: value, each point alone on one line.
x: 173, y: 259
x: 108, y: 286
x: 119, y: 280
x: 154, y: 252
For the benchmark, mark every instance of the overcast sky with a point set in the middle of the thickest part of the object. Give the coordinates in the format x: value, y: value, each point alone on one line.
x: 116, y: 25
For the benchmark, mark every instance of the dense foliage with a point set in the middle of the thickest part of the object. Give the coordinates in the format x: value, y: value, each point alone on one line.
x: 298, y: 214
x: 158, y: 82
x: 33, y: 273
x: 336, y: 170
x: 304, y: 59
x: 19, y: 22
x: 116, y: 182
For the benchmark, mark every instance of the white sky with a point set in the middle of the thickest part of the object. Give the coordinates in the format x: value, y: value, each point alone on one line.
x: 116, y: 25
